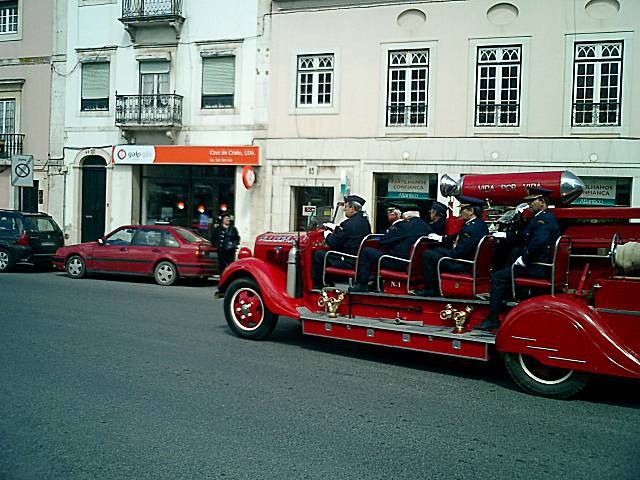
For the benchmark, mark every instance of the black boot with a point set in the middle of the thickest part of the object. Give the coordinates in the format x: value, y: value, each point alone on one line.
x: 490, y: 323
x: 359, y: 288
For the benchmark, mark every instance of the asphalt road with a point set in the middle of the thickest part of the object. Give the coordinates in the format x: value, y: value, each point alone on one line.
x: 107, y: 378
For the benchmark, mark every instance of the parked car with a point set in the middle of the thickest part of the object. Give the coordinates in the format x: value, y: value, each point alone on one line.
x: 31, y: 238
x: 164, y: 252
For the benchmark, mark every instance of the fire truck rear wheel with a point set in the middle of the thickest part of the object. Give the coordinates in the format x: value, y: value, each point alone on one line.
x: 538, y: 379
x: 245, y: 311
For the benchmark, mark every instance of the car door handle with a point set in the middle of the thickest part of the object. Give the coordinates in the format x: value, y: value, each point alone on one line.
x: 123, y: 249
x: 156, y: 250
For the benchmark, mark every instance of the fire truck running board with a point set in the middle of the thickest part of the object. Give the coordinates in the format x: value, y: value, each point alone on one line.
x: 385, y: 332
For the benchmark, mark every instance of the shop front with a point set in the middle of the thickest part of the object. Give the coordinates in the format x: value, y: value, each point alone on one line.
x: 407, y: 192
x: 190, y: 186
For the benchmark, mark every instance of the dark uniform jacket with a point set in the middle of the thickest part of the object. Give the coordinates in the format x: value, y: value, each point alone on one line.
x: 349, y: 234
x: 438, y: 226
x: 539, y: 237
x: 401, y: 236
x: 468, y: 239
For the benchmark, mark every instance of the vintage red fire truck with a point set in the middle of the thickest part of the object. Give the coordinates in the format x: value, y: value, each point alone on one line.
x: 583, y: 319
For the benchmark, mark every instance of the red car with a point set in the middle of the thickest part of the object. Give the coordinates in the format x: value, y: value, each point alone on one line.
x: 162, y: 251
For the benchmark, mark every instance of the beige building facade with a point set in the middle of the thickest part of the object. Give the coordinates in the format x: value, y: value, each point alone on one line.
x: 400, y: 93
x: 26, y: 46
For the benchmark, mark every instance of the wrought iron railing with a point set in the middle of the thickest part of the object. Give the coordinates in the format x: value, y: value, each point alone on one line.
x: 149, y: 110
x: 132, y: 9
x: 497, y: 114
x: 11, y: 144
x: 407, y: 115
x: 587, y: 114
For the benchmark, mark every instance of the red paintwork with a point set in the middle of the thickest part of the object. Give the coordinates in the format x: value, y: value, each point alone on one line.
x: 271, y: 279
x: 511, y: 188
x: 596, y: 329
x: 564, y: 332
x: 142, y: 259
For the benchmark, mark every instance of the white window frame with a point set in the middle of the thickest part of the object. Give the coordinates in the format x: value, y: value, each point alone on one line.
x: 407, y: 130
x: 500, y: 110
x: 96, y: 55
x: 12, y: 90
x: 227, y: 48
x: 83, y: 64
x: 233, y: 92
x: 625, y: 89
x: 314, y: 108
x: 17, y: 34
x: 475, y: 44
x: 597, y: 62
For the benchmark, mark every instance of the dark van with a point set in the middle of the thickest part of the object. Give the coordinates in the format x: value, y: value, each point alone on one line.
x: 30, y: 238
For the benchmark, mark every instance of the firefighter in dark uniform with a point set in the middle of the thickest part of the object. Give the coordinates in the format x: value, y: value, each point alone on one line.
x: 539, y: 237
x: 399, y: 239
x: 345, y: 238
x: 464, y: 246
x: 438, y: 217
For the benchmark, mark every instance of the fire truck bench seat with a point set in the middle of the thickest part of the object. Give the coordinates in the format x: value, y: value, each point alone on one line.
x: 558, y: 279
x: 474, y: 284
x: 412, y: 273
x: 371, y: 240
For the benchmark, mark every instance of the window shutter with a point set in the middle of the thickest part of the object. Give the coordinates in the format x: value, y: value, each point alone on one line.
x: 95, y: 80
x: 218, y: 75
x: 154, y: 66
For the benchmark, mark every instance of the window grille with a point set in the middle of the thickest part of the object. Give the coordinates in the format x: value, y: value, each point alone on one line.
x: 315, y: 80
x: 95, y: 86
x: 597, y: 84
x: 498, y: 86
x: 8, y: 17
x: 218, y: 81
x: 408, y: 80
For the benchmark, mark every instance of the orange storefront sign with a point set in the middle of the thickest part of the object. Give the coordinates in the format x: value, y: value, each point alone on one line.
x: 185, y: 155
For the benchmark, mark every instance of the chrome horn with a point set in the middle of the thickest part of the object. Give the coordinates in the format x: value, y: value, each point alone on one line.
x: 449, y: 187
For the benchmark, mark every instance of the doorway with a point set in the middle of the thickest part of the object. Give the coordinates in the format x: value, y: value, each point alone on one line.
x: 94, y: 180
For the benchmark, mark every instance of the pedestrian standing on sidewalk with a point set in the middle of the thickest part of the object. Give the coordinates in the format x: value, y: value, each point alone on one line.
x: 225, y: 238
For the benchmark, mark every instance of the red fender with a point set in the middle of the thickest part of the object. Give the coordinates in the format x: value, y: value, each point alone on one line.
x: 271, y: 280
x: 563, y: 331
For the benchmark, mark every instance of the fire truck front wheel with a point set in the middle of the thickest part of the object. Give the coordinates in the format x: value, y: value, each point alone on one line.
x: 245, y: 311
x: 539, y: 379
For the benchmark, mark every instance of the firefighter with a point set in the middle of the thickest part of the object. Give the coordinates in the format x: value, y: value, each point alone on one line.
x: 464, y: 245
x: 394, y: 215
x: 539, y: 237
x: 399, y: 239
x: 345, y: 238
x: 438, y: 217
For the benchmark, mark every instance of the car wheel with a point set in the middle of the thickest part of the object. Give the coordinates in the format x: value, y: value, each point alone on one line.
x: 6, y: 261
x: 75, y: 266
x: 165, y: 274
x: 539, y: 379
x: 245, y: 311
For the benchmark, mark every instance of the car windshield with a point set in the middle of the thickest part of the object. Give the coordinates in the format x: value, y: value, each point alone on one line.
x: 38, y: 224
x: 189, y: 236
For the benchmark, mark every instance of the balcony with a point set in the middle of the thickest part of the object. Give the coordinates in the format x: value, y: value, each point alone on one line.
x: 149, y: 112
x: 137, y: 14
x: 11, y: 144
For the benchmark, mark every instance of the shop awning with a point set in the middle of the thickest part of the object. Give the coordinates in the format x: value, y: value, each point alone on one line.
x: 185, y: 155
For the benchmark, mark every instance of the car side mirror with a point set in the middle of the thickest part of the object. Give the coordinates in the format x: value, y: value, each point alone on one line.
x: 100, y: 241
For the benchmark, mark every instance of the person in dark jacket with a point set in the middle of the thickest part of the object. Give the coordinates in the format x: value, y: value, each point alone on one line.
x: 345, y: 238
x: 464, y: 246
x: 399, y: 239
x: 438, y: 217
x: 539, y: 237
x: 225, y: 238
